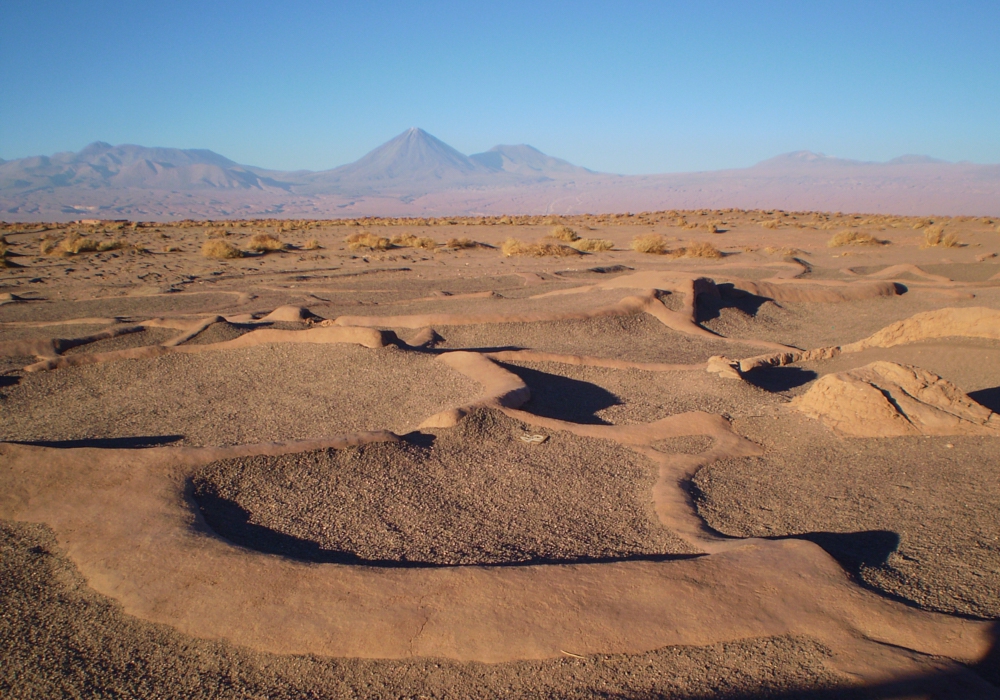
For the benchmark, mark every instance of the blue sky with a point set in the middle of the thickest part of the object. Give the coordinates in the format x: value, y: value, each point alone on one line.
x: 629, y: 87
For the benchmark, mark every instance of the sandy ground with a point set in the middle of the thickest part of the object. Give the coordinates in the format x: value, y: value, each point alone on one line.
x: 908, y: 523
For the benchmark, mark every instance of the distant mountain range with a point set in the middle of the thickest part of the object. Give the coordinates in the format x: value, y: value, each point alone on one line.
x: 416, y: 174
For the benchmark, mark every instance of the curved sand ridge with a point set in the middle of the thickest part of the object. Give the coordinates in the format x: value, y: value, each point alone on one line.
x: 745, y: 588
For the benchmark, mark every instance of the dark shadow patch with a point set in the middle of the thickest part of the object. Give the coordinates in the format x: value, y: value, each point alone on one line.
x: 900, y: 288
x: 990, y: 398
x: 121, y: 443
x: 555, y: 396
x: 709, y: 306
x: 419, y: 439
x: 778, y: 379
x: 9, y: 380
x: 855, y: 550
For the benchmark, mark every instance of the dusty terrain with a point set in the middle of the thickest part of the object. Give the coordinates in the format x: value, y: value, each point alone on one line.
x: 766, y: 467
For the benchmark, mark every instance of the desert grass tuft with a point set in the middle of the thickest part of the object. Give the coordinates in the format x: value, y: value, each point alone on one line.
x: 265, y: 243
x: 702, y: 249
x: 358, y: 241
x: 220, y: 249
x: 115, y: 244
x: 312, y: 244
x: 935, y: 237
x: 515, y: 246
x: 564, y: 233
x: 408, y: 240
x: 652, y: 243
x: 848, y: 237
x: 462, y: 243
x: 592, y: 245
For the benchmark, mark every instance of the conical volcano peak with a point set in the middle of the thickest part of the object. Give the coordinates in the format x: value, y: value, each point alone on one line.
x: 414, y: 156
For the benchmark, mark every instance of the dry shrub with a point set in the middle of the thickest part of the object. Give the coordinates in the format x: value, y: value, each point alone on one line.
x: 702, y: 249
x: 4, y: 247
x: 171, y: 249
x: 220, y: 249
x: 592, y: 245
x: 74, y: 244
x: 408, y: 240
x: 652, y: 243
x: 564, y: 233
x: 265, y: 242
x: 462, y: 243
x: 935, y: 237
x: 784, y: 252
x: 312, y: 244
x: 848, y: 237
x: 217, y: 232
x: 714, y: 226
x: 357, y: 241
x: 514, y: 246
x: 116, y: 244
x: 770, y: 223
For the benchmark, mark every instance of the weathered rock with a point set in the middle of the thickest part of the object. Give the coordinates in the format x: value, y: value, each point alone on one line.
x: 885, y: 399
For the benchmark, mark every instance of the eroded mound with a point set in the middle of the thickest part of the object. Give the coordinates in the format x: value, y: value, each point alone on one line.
x: 273, y: 392
x: 885, y: 399
x: 479, y: 495
x: 916, y: 517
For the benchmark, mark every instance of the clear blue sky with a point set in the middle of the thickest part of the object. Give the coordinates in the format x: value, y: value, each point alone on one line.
x: 630, y: 87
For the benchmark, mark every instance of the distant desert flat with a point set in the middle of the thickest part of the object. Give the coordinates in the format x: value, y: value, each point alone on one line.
x: 681, y: 454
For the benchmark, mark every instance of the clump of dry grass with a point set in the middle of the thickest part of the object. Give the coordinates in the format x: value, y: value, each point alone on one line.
x: 357, y: 241
x: 115, y: 244
x: 4, y: 247
x: 564, y: 233
x: 714, y: 226
x: 72, y: 244
x: 220, y: 249
x: 462, y: 243
x: 217, y: 232
x: 514, y: 246
x: 848, y: 237
x: 312, y: 244
x: 265, y: 243
x: 171, y: 249
x: 935, y: 237
x: 592, y: 245
x: 770, y: 223
x: 408, y: 240
x: 702, y: 249
x: 784, y: 252
x: 652, y: 243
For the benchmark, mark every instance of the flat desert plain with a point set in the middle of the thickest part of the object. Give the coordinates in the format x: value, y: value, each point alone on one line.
x: 699, y: 454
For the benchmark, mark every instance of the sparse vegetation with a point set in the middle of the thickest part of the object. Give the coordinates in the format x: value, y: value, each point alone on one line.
x: 265, y: 243
x: 652, y: 243
x: 935, y: 237
x: 462, y: 243
x: 784, y: 252
x: 564, y: 233
x: 408, y: 240
x: 217, y: 232
x: 220, y: 249
x: 358, y: 241
x: 770, y: 223
x: 592, y: 245
x: 514, y: 246
x: 848, y: 237
x: 701, y: 249
x: 115, y: 244
x: 312, y: 244
x: 4, y: 247
x: 171, y: 249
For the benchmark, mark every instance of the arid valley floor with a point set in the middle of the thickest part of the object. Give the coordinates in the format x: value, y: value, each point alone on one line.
x: 717, y: 456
